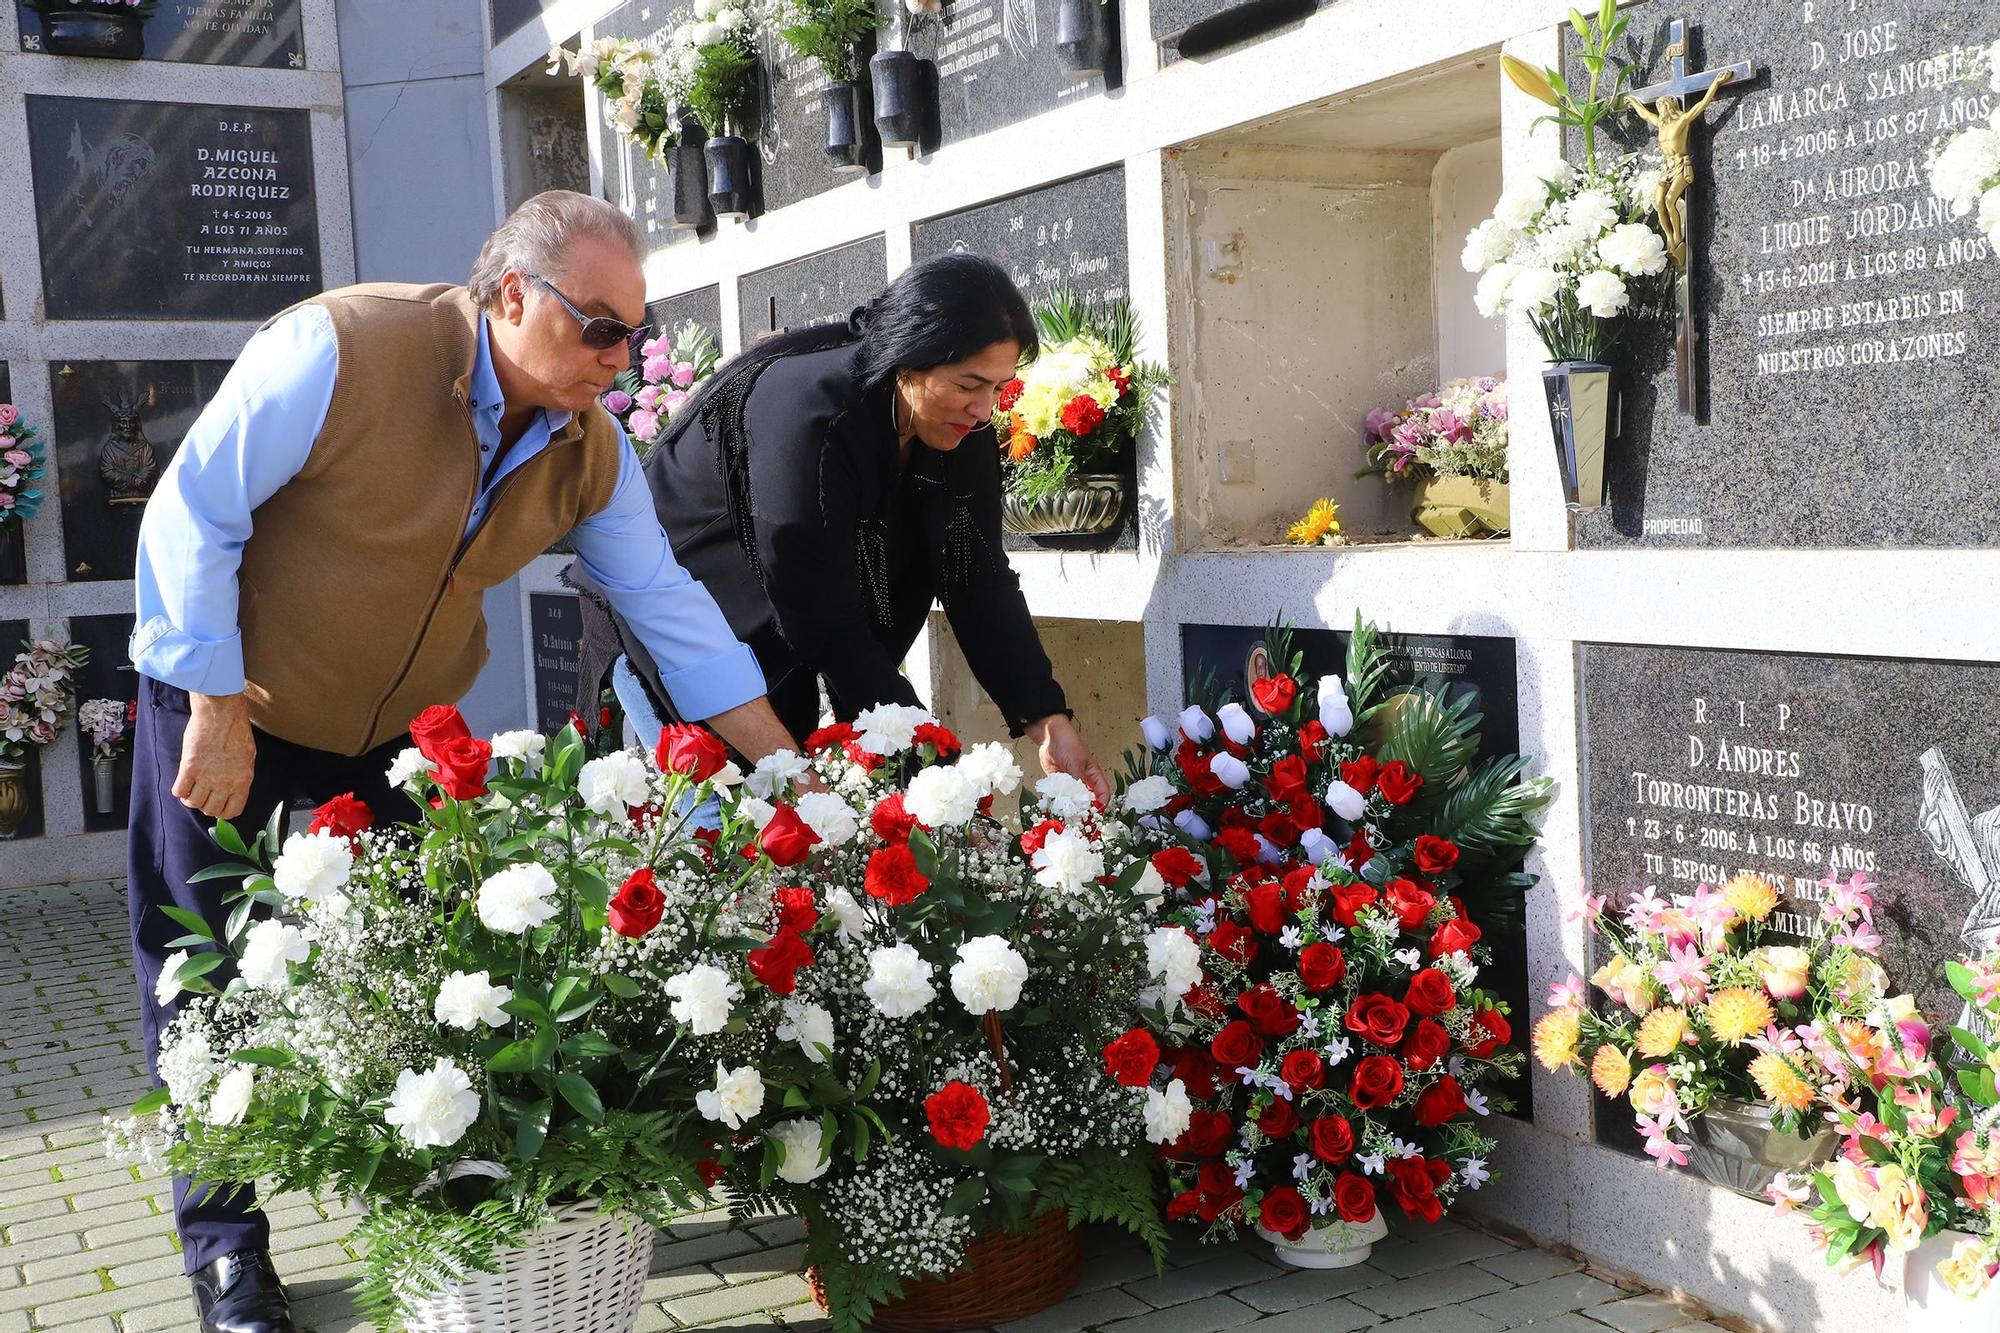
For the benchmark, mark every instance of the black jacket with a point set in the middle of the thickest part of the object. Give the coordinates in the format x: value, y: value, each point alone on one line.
x: 785, y: 498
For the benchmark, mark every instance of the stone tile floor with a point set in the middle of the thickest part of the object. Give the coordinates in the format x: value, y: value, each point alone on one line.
x: 87, y: 1244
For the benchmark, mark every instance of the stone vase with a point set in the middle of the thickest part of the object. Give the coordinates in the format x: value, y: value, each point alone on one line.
x: 731, y: 191
x: 901, y: 98
x: 846, y: 139
x: 102, y: 33
x: 1929, y: 1306
x: 1582, y: 414
x: 1337, y: 1245
x: 1471, y: 507
x: 1083, y: 37
x: 13, y: 796
x: 1737, y: 1146
x: 1091, y: 505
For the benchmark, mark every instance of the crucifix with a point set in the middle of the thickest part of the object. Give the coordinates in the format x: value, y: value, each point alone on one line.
x: 1674, y: 124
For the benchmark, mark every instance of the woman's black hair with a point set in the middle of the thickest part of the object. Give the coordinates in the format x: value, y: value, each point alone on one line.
x: 937, y: 311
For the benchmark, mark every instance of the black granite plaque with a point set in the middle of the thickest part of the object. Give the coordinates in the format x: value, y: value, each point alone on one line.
x: 556, y: 622
x: 268, y: 33
x: 703, y: 305
x: 1196, y: 28
x: 642, y: 187
x: 813, y: 290
x: 108, y: 675
x: 1070, y: 233
x: 791, y: 127
x: 13, y: 544
x: 13, y: 640
x: 1851, y: 325
x: 510, y: 16
x: 997, y: 64
x: 117, y: 423
x: 150, y: 210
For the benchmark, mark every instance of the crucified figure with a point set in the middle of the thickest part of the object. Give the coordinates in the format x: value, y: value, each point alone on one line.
x: 1674, y: 125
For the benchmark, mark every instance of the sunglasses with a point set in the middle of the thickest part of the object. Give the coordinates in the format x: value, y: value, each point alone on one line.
x: 599, y: 331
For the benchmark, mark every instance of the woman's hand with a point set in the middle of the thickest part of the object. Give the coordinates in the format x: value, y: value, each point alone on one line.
x: 1063, y: 751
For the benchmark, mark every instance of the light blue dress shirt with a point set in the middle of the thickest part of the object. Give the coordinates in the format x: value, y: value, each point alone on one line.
x: 256, y: 435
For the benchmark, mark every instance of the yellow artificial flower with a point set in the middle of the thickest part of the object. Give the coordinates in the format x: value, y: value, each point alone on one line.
x: 1751, y: 896
x: 1965, y: 1272
x: 1556, y: 1037
x: 1651, y: 1089
x: 1322, y: 520
x: 1626, y: 982
x: 1736, y: 1013
x: 1782, y: 1085
x: 1900, y: 1208
x: 1611, y: 1071
x: 1662, y: 1031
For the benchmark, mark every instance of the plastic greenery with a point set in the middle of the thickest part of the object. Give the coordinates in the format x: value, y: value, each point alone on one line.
x: 828, y: 32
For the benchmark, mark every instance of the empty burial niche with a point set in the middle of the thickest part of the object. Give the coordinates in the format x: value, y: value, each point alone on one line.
x: 1100, y: 663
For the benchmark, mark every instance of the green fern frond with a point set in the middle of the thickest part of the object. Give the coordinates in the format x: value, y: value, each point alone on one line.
x: 1107, y: 1186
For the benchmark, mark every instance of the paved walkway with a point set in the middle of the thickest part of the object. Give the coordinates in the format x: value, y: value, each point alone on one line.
x: 88, y: 1244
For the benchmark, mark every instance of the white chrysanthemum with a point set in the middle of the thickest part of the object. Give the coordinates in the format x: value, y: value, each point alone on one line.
x: 804, y: 1161
x: 1345, y: 801
x: 1336, y: 714
x: 1067, y: 862
x: 990, y: 767
x: 737, y: 1097
x: 613, y: 784
x: 167, y: 987
x: 899, y: 981
x: 703, y: 998
x: 312, y: 865
x: 1603, y: 293
x: 1961, y: 171
x: 1230, y: 771
x: 1149, y: 794
x: 774, y: 771
x: 1487, y: 244
x: 1491, y: 294
x: 1594, y: 210
x: 230, y: 1101
x: 829, y: 816
x: 988, y: 974
x: 1534, y: 288
x: 888, y: 729
x: 1635, y: 249
x: 1989, y: 210
x: 1237, y: 724
x: 847, y: 910
x: 1196, y: 725
x: 1551, y: 168
x: 810, y: 1026
x: 467, y: 999
x: 435, y: 1108
x: 1173, y: 959
x: 407, y: 767
x: 1521, y: 204
x: 517, y: 899
x: 527, y: 746
x: 1065, y: 797
x: 1566, y: 244
x: 1167, y: 1113
x: 269, y: 946
x: 940, y: 797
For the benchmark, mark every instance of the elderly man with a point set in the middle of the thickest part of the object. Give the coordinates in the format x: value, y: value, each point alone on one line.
x: 312, y: 567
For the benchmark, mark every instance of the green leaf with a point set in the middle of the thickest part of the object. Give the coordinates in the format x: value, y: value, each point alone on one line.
x: 239, y: 917
x: 200, y: 965
x: 188, y: 941
x: 364, y: 1175
x: 795, y: 1100
x: 591, y: 1046
x: 228, y: 870
x: 194, y: 924
x: 269, y: 1057
x: 576, y: 1090
x: 858, y: 1131
x: 968, y: 1196
x: 579, y: 1009
x: 1971, y: 1044
x: 622, y: 986
x: 514, y: 1058
x: 227, y: 838
x: 531, y: 1129
x: 925, y: 853
x: 151, y: 1102
x: 1961, y: 979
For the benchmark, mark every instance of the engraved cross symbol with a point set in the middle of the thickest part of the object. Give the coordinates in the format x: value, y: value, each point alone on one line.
x: 1561, y: 410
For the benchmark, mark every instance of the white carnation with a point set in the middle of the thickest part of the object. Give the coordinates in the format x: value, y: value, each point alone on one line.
x: 1603, y: 293
x: 1594, y: 210
x: 940, y: 797
x: 1149, y: 794
x: 467, y: 999
x: 1491, y: 294
x: 312, y: 865
x: 899, y: 981
x: 988, y: 974
x: 1487, y: 244
x: 1534, y: 288
x: 435, y: 1108
x: 776, y: 770
x: 757, y: 810
x: 829, y: 816
x: 231, y: 1098
x: 1961, y: 171
x: 407, y: 767
x: 1173, y: 959
x: 847, y: 910
x: 517, y: 899
x: 167, y: 986
x: 810, y: 1026
x: 1067, y: 862
x: 990, y: 767
x: 1521, y: 204
x: 1065, y: 797
x: 1167, y: 1113
x: 526, y: 746
x: 1989, y: 209
x: 888, y: 729
x: 1230, y: 771
x: 613, y: 784
x: 703, y: 998
x: 1635, y: 249
x: 1151, y: 886
x: 804, y: 1161
x: 1551, y: 168
x: 270, y: 945
x: 737, y: 1097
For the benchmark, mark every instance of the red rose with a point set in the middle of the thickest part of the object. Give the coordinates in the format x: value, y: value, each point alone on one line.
x: 1378, y: 1018
x: 1414, y: 1182
x: 777, y: 964
x: 1428, y: 1043
x: 436, y: 725
x: 1182, y: 1206
x: 696, y: 753
x: 344, y: 817
x: 938, y: 738
x: 1435, y: 855
x: 1321, y: 966
x: 1196, y: 1070
x: 1430, y: 993
x: 1177, y: 866
x: 787, y: 839
x: 1265, y: 905
x: 1277, y: 826
x: 1233, y: 942
x: 1274, y: 694
x: 1081, y: 415
x: 830, y: 738
x: 1278, y: 1120
x: 1236, y: 1046
x: 1440, y: 1103
x: 1312, y: 739
x: 1288, y: 779
x: 1359, y: 852
x: 1378, y: 1080
x: 1010, y: 394
x: 1032, y: 840
x: 958, y: 1115
x: 1303, y: 1070
x: 1397, y: 783
x: 1498, y: 1032
x: 891, y: 822
x: 1284, y: 1211
x: 1349, y: 899
x: 1454, y: 936
x: 460, y: 765
x: 637, y: 907
x: 1203, y: 1000
x: 1240, y: 843
x: 1331, y: 1139
x: 797, y: 909
x: 893, y: 877
x: 1360, y: 773
x: 1409, y: 901
x: 1270, y: 1013
x: 1219, y: 1191
x: 1208, y: 1134
x: 710, y: 1169
x: 1132, y: 1058
x: 1353, y: 1197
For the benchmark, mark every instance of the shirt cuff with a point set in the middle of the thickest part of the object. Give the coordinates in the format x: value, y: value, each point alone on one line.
x: 717, y: 685
x: 177, y: 658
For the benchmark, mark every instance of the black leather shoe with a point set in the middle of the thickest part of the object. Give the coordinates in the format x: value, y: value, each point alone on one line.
x: 240, y: 1293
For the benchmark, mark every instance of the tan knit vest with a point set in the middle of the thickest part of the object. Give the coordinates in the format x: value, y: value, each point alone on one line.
x: 361, y: 598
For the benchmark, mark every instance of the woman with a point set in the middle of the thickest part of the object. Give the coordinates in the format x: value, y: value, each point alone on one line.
x: 829, y: 486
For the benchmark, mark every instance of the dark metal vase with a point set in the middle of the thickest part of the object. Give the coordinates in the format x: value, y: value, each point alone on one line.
x: 846, y: 141
x: 687, y: 178
x: 1583, y: 403
x: 1083, y: 37
x: 901, y: 112
x: 730, y: 190
x: 102, y: 33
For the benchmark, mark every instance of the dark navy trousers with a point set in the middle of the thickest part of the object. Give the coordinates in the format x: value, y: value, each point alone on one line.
x: 168, y: 845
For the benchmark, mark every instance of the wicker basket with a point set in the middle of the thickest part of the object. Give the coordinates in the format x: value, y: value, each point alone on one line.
x: 583, y: 1273
x: 1005, y: 1276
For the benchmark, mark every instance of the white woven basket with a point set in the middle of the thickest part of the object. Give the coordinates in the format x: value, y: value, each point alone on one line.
x: 583, y: 1273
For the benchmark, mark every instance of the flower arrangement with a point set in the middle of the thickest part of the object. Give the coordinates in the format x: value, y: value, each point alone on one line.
x: 673, y: 367
x: 1707, y: 1002
x: 828, y: 32
x: 639, y: 105
x: 1926, y: 1158
x: 23, y: 462
x: 37, y: 695
x: 1077, y: 403
x: 1965, y: 167
x: 710, y: 64
x: 1458, y: 431
x: 107, y: 722
x: 1318, y: 526
x: 1316, y: 999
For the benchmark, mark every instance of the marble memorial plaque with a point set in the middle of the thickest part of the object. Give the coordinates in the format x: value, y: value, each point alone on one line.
x: 151, y: 210
x: 266, y: 33
x: 1069, y: 233
x: 109, y: 674
x: 117, y: 424
x: 813, y: 290
x: 556, y: 622
x: 1702, y: 764
x: 1849, y: 325
x: 1198, y: 27
x: 13, y: 639
x: 791, y: 127
x: 643, y: 188
x: 703, y: 305
x: 997, y: 64
x: 510, y: 16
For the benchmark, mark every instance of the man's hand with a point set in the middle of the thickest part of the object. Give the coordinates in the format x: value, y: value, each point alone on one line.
x: 754, y: 731
x: 218, y: 755
x: 1063, y: 751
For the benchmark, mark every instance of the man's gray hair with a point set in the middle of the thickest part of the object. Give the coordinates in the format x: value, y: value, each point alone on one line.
x: 537, y: 237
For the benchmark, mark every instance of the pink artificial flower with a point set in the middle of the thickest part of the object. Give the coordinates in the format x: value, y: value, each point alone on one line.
x: 660, y: 345
x: 1566, y: 994
x: 1862, y: 938
x: 1712, y: 913
x: 9, y: 414
x: 644, y: 424
x: 1644, y: 909
x: 658, y: 368
x: 671, y: 402
x: 1684, y: 973
x: 648, y: 398
x: 6, y: 500
x: 1583, y: 905
x: 683, y: 374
